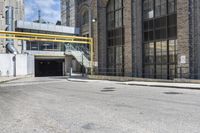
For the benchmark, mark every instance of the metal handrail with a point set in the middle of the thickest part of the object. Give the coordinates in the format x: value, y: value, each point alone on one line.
x: 79, y: 48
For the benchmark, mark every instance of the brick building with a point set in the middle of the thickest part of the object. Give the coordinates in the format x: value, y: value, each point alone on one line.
x: 143, y: 38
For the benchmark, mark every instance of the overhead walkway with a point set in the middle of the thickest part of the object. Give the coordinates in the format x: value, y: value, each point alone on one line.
x: 74, y: 45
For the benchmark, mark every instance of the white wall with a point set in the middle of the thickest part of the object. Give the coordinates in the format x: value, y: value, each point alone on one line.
x: 21, y: 65
x: 24, y: 65
x: 31, y: 65
x: 6, y: 65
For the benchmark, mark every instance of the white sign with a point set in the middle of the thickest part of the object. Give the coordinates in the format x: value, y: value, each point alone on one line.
x: 151, y: 14
x: 183, y: 59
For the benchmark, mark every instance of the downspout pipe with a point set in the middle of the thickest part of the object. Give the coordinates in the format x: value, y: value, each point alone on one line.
x: 10, y: 27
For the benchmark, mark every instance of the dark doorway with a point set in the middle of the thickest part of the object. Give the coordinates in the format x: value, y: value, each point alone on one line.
x: 48, y: 67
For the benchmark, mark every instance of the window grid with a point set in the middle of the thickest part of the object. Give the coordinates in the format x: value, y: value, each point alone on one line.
x: 159, y: 38
x: 115, y: 36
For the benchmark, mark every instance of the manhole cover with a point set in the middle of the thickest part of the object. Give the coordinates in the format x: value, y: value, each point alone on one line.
x: 108, y: 89
x: 89, y: 126
x: 173, y: 93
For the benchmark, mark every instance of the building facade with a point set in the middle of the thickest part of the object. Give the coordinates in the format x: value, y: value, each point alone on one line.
x: 18, y: 14
x: 50, y: 58
x: 68, y: 13
x: 143, y: 38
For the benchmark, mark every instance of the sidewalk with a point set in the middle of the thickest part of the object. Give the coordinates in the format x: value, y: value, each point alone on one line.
x: 162, y: 84
x: 144, y: 83
x: 7, y: 79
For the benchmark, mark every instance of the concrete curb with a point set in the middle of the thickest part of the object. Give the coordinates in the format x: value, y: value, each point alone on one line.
x: 165, y: 86
x: 147, y: 83
x: 7, y: 80
x: 12, y: 79
x: 76, y: 80
x: 126, y: 79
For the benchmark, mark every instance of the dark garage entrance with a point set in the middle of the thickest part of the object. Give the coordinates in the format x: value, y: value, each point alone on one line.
x: 48, y: 67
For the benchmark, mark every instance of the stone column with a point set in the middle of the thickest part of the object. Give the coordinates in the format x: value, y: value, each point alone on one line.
x: 102, y: 36
x: 183, y: 38
x: 137, y: 38
x: 68, y: 64
x: 127, y: 20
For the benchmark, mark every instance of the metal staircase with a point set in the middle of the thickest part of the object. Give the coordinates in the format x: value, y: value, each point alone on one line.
x: 80, y: 52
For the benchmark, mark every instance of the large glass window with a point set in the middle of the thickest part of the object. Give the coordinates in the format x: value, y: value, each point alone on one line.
x: 160, y: 8
x: 43, y: 46
x: 148, y: 9
x: 115, y: 37
x: 171, y: 6
x: 159, y: 39
x: 160, y: 59
x: 114, y: 14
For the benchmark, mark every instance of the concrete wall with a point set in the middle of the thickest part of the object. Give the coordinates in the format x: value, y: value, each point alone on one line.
x: 24, y: 65
x: 6, y: 64
x: 30, y: 65
x: 70, y: 62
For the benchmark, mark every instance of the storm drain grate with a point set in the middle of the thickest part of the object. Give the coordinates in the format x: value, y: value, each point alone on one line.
x: 108, y: 89
x: 173, y: 93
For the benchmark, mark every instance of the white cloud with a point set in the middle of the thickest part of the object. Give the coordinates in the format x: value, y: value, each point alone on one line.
x: 50, y: 10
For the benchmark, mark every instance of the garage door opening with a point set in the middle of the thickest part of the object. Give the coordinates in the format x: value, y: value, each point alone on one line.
x: 48, y: 67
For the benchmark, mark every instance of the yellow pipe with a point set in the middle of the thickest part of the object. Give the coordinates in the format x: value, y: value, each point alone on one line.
x: 92, y: 56
x: 42, y: 35
x: 43, y: 40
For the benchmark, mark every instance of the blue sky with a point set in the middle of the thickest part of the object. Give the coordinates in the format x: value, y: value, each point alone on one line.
x: 50, y: 10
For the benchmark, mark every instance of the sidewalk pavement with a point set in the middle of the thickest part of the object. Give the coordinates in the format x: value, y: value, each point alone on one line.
x: 163, y: 84
x: 7, y: 79
x: 136, y: 83
x: 145, y: 83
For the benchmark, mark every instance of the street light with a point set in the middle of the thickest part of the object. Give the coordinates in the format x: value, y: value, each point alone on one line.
x: 94, y: 20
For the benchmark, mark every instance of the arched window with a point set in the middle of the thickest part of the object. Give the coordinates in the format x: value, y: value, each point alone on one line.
x: 85, y: 17
x: 115, y: 57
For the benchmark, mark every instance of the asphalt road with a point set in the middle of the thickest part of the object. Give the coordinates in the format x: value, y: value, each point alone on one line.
x: 55, y: 105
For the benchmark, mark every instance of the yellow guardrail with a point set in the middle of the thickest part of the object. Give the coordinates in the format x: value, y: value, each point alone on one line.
x: 26, y: 36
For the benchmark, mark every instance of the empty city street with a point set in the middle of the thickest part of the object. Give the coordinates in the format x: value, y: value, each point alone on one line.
x: 56, y: 105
